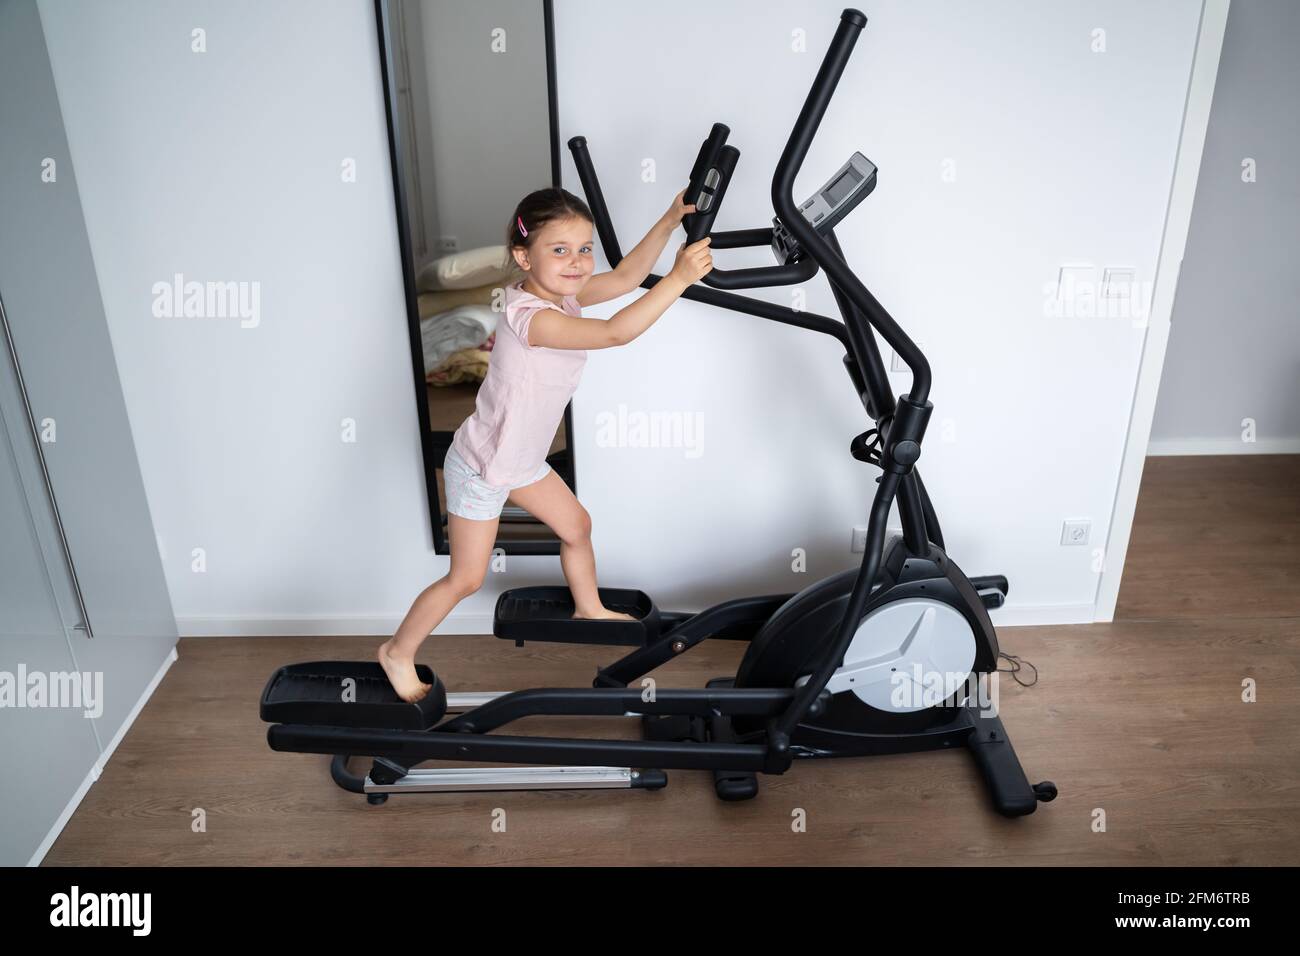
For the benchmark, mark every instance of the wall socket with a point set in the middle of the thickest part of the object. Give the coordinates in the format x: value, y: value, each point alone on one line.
x: 1076, y: 531
x: 446, y: 244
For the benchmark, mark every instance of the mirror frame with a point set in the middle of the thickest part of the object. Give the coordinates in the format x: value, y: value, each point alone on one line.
x: 434, y: 452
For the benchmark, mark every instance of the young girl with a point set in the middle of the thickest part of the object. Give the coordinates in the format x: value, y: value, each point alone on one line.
x: 499, y: 452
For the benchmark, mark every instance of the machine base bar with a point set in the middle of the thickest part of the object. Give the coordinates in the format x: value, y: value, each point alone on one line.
x: 513, y: 778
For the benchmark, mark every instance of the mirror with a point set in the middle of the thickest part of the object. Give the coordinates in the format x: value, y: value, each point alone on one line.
x: 471, y: 130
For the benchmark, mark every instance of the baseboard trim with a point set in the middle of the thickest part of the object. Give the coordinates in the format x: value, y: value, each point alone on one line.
x: 1223, y: 446
x: 1043, y: 615
x: 98, y: 767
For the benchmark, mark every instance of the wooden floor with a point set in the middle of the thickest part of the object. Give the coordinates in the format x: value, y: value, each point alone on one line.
x: 1140, y: 719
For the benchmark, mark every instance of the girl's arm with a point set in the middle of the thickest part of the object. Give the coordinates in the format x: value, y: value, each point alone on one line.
x: 559, y: 330
x: 636, y: 265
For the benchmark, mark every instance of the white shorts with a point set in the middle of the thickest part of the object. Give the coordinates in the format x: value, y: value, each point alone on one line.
x: 469, y: 496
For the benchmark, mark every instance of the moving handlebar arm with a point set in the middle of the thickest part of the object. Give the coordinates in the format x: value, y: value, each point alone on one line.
x: 710, y: 175
x: 741, y: 238
x: 735, y: 239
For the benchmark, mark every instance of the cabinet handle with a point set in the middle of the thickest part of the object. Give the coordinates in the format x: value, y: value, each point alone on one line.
x: 45, y: 475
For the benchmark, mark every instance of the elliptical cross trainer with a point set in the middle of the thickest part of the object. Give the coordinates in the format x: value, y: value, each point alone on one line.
x: 878, y: 659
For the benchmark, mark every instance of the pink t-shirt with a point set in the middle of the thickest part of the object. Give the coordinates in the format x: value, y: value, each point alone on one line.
x: 521, y: 401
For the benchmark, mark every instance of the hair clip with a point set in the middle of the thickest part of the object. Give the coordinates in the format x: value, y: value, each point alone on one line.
x: 522, y: 231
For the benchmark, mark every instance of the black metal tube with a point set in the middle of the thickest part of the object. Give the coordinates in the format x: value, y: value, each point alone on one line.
x: 864, y: 341
x: 859, y: 384
x: 738, y: 619
x: 805, y: 128
x: 765, y: 310
x: 413, y: 746
x: 783, y: 727
x: 931, y: 518
x: 344, y: 777
x: 741, y: 238
x: 615, y: 702
x: 760, y: 277
x: 596, y: 200
x: 913, y: 515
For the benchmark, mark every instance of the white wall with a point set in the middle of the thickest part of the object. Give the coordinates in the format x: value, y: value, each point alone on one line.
x: 1062, y: 155
x: 226, y: 165
x: 1234, y: 345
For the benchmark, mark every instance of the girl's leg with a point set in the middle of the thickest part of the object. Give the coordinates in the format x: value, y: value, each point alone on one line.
x: 471, y: 545
x: 551, y: 500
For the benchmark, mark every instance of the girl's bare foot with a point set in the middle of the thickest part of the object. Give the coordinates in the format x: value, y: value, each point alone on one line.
x: 604, y: 614
x: 401, y: 673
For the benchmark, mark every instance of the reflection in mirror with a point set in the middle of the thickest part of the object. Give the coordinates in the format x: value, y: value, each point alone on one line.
x: 470, y: 124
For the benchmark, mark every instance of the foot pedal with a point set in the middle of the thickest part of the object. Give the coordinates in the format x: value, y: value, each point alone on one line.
x: 546, y: 614
x: 349, y: 694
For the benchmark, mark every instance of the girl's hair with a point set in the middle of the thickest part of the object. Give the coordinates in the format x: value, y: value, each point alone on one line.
x: 538, y: 208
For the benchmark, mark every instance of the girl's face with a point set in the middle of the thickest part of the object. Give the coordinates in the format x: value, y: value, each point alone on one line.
x: 559, y: 259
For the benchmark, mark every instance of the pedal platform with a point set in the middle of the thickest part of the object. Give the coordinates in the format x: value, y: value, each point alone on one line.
x: 546, y: 614
x: 349, y: 694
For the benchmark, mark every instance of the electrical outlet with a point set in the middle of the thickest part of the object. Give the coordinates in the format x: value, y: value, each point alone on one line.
x: 1076, y: 531
x: 447, y: 244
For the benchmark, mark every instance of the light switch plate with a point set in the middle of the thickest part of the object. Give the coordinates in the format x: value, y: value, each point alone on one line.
x: 1117, y: 282
x: 1074, y: 279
